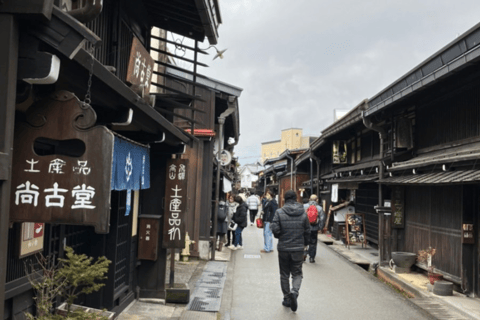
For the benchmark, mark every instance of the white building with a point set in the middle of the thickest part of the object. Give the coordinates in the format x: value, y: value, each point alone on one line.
x: 248, y: 174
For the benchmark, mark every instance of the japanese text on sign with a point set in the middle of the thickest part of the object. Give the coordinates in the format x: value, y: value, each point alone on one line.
x: 175, y: 204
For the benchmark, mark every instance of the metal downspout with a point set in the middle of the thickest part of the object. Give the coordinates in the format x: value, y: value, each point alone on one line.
x: 311, y: 175
x: 88, y: 12
x: 318, y: 161
x: 381, y: 169
x: 221, y: 122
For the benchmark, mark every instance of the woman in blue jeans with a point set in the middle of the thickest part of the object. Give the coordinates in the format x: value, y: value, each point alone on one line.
x: 240, y: 218
x: 269, y: 209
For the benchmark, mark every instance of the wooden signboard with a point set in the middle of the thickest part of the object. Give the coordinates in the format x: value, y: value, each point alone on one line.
x: 30, y: 238
x: 140, y: 66
x: 148, y: 237
x: 62, y: 165
x: 398, y: 207
x: 175, y: 204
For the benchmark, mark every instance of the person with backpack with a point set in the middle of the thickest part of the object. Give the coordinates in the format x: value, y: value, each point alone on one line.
x: 316, y: 217
x: 222, y: 218
x: 291, y: 227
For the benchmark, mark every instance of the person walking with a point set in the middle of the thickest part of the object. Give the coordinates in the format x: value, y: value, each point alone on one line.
x: 253, y: 203
x: 312, y: 208
x: 232, y: 207
x: 291, y: 227
x: 240, y: 218
x: 270, y: 206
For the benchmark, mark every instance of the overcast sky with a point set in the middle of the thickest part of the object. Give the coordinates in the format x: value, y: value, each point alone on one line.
x: 299, y: 60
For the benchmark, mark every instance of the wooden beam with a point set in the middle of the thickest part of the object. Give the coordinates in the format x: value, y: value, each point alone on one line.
x: 8, y: 69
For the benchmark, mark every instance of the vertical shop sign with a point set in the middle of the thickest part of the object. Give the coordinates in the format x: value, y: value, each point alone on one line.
x: 175, y: 204
x: 398, y: 207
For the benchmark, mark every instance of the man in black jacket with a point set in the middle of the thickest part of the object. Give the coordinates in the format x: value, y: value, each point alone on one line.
x: 292, y: 229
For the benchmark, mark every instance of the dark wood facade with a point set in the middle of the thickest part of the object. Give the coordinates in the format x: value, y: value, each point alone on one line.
x: 48, y: 29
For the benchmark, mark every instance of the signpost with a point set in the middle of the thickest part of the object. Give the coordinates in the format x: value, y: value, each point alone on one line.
x: 175, y: 206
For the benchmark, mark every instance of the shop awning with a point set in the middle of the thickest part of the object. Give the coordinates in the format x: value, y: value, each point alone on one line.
x: 130, y: 165
x: 444, y: 177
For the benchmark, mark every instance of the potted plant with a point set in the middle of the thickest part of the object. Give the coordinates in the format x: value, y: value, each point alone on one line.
x: 73, y: 276
x: 426, y: 255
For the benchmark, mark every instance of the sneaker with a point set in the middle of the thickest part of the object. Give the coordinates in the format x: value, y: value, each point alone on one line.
x: 312, y: 260
x: 239, y: 248
x: 293, y: 301
x: 232, y: 247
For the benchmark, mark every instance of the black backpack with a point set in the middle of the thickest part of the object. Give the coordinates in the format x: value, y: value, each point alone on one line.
x: 222, y: 212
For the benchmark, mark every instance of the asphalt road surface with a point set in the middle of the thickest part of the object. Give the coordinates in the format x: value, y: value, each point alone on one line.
x: 332, y: 288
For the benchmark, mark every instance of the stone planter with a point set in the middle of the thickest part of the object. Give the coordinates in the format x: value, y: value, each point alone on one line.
x: 403, y: 261
x: 62, y: 310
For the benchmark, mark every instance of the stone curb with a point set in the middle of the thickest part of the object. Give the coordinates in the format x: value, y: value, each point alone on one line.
x: 384, y: 273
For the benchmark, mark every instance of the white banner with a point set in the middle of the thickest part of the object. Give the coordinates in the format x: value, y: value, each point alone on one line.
x: 227, y: 185
x: 335, y: 192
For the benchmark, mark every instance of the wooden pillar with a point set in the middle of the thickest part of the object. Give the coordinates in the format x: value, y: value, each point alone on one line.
x: 8, y: 86
x: 152, y: 274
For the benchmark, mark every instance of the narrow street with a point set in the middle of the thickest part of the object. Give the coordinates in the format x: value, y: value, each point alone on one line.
x: 332, y: 288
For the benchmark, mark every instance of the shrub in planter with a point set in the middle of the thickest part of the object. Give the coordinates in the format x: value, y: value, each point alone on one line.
x: 73, y: 276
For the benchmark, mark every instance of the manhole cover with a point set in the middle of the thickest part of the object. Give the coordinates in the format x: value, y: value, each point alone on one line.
x: 252, y: 256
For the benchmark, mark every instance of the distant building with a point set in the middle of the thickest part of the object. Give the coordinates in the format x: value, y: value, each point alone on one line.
x: 290, y: 139
x: 248, y: 175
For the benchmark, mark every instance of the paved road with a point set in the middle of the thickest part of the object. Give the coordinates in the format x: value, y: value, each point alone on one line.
x: 332, y: 288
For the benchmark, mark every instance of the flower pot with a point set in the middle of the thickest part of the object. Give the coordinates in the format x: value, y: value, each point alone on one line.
x: 432, y: 276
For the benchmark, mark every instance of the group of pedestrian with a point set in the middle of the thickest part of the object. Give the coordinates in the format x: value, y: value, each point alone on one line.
x: 294, y: 225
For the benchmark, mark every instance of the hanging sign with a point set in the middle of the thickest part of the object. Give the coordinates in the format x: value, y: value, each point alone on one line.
x: 62, y: 164
x: 335, y: 192
x: 175, y: 204
x: 140, y: 66
x: 224, y: 157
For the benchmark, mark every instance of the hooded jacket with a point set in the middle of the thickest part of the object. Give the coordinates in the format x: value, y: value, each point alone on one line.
x: 291, y: 227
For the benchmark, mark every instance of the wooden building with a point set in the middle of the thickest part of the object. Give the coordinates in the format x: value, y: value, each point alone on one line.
x: 219, y: 100
x: 431, y: 120
x: 81, y: 71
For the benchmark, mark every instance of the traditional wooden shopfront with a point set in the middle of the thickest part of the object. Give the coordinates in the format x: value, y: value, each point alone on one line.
x: 432, y: 116
x: 90, y: 65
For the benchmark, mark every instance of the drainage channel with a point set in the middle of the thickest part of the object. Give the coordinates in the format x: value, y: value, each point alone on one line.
x: 207, y: 294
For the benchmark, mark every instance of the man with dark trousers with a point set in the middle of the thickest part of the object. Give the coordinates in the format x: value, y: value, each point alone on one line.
x: 315, y: 226
x: 291, y: 227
